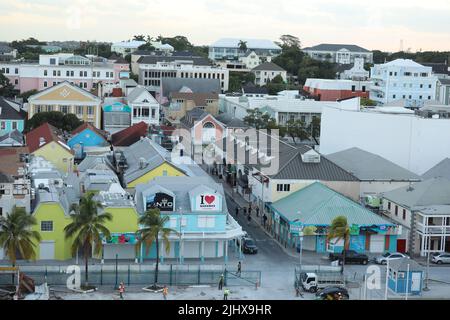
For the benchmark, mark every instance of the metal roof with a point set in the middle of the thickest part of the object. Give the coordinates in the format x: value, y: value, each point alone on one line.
x: 435, y: 191
x: 336, y: 47
x: 442, y: 169
x: 251, y: 43
x: 317, y: 205
x: 10, y: 110
x: 270, y: 66
x: 368, y: 166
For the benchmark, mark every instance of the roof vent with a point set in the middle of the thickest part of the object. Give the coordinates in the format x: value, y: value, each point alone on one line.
x: 41, y: 141
x: 142, y: 163
x: 311, y: 157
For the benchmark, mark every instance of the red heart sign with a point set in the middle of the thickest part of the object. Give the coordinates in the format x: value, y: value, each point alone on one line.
x: 210, y: 199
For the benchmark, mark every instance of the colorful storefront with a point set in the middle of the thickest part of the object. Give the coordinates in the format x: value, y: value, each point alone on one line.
x: 310, y: 211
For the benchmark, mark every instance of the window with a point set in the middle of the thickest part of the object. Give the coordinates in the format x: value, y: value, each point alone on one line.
x: 67, y: 73
x: 206, y: 221
x: 45, y: 72
x: 421, y: 86
x: 14, y: 125
x: 79, y: 110
x: 16, y: 71
x: 184, y: 222
x: 52, y: 61
x: 16, y: 81
x: 153, y: 113
x: 64, y: 109
x: 396, y: 210
x: 279, y: 187
x: 407, y: 74
x: 54, y: 73
x: 353, y: 88
x: 404, y: 214
x: 164, y: 173
x: 363, y: 88
x: 90, y: 110
x: 173, y: 223
x: 47, y: 226
x: 429, y: 86
x: 389, y: 205
x: 393, y: 96
x: 3, y: 125
x: 429, y: 97
x: 45, y: 84
x: 287, y: 187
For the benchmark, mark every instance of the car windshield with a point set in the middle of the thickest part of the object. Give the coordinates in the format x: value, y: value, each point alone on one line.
x: 387, y: 254
x: 249, y: 242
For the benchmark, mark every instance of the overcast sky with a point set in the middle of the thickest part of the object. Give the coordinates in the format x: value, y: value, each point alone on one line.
x: 379, y: 24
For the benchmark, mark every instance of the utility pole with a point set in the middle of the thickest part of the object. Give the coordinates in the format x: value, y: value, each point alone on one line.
x: 428, y: 263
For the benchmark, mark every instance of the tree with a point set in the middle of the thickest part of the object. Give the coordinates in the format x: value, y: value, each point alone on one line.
x: 311, y: 68
x: 16, y: 236
x: 291, y: 55
x: 259, y: 120
x: 296, y: 129
x: 139, y: 37
x: 288, y: 40
x: 276, y: 85
x: 340, y: 229
x: 242, y: 45
x: 86, y: 229
x: 146, y: 46
x: 179, y: 43
x: 154, y: 226
x: 25, y: 95
x: 67, y: 122
x: 6, y: 88
x: 314, y: 128
x: 366, y: 102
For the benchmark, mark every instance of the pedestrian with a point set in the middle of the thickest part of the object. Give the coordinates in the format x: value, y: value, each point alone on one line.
x: 121, y: 290
x: 245, y: 211
x: 239, y: 269
x: 249, y: 208
x: 237, y: 211
x: 249, y: 219
x: 257, y: 211
x: 165, y: 292
x: 265, y: 219
x: 226, y: 292
x: 221, y: 282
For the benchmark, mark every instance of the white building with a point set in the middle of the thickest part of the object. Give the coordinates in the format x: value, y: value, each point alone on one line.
x: 144, y: 106
x: 357, y: 72
x: 228, y: 49
x: 339, y: 53
x: 266, y: 72
x: 250, y: 59
x: 402, y: 79
x: 152, y: 69
x: 394, y: 133
x: 126, y: 47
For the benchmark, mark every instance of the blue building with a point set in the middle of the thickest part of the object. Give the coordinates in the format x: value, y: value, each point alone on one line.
x: 405, y: 277
x: 197, y: 210
x: 86, y: 137
x: 314, y: 207
x: 12, y: 117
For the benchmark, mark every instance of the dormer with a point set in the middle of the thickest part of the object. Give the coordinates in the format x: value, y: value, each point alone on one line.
x: 311, y: 156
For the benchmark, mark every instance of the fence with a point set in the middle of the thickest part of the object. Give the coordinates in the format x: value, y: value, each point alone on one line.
x: 101, y: 275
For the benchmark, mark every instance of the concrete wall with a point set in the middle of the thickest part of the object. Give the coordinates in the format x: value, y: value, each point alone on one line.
x: 411, y: 142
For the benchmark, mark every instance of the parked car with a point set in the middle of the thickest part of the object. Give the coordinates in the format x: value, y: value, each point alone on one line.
x: 248, y: 245
x: 333, y: 293
x: 390, y: 256
x: 351, y: 256
x: 441, y: 258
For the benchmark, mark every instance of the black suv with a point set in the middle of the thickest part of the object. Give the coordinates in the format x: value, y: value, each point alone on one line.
x: 333, y: 293
x: 249, y: 246
x: 351, y: 256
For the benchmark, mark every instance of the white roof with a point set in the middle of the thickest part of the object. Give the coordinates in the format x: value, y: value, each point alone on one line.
x: 394, y: 110
x: 404, y: 63
x: 290, y: 105
x: 251, y: 43
x: 129, y: 44
x: 333, y: 84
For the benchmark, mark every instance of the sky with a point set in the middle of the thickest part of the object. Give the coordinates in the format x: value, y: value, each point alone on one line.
x: 380, y: 24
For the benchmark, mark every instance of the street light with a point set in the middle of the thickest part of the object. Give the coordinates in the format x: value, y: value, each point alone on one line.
x: 428, y: 264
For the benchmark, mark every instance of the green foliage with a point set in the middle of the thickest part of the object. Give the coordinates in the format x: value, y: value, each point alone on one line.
x: 67, y: 122
x: 259, y: 120
x: 339, y: 229
x: 139, y: 37
x: 201, y: 51
x: 289, y: 41
x: 27, y: 94
x: 242, y: 45
x: 87, y: 227
x: 179, y: 43
x: 147, y: 46
x: 16, y: 236
x: 314, y: 128
x: 238, y: 79
x: 100, y: 49
x: 153, y: 225
x: 297, y: 129
x: 6, y: 88
x: 290, y: 59
x: 366, y: 102
x: 420, y: 57
x: 311, y: 68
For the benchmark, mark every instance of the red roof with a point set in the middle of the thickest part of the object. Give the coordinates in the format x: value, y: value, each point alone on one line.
x: 87, y: 125
x: 47, y: 132
x: 130, y: 135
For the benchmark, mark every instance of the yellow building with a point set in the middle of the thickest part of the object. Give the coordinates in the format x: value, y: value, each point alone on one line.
x: 146, y: 160
x: 69, y: 99
x: 45, y: 142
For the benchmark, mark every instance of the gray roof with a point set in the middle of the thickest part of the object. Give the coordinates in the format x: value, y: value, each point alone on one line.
x: 197, y: 61
x: 442, y: 169
x: 368, y: 166
x: 181, y: 188
x: 15, y: 136
x: 10, y: 112
x: 192, y: 116
x: 431, y: 192
x: 444, y: 81
x: 136, y: 92
x: 270, y: 66
x: 95, y: 162
x: 231, y: 122
x: 336, y: 47
x: 5, y: 48
x: 169, y: 85
x: 6, y: 178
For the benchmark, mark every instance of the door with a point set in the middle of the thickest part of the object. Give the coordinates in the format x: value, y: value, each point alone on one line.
x: 416, y: 278
x: 401, y: 245
x: 321, y: 244
x: 377, y: 243
x: 47, y: 250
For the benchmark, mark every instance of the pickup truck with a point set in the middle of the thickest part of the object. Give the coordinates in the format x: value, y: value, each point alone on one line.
x: 351, y: 256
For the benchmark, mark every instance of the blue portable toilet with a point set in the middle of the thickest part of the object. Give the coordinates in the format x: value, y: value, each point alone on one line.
x: 405, y: 277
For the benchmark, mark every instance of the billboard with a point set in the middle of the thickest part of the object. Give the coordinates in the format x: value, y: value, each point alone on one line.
x: 208, y: 202
x: 160, y: 200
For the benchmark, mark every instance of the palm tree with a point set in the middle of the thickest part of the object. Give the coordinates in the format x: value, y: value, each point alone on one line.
x: 340, y: 229
x: 86, y: 227
x: 153, y: 225
x: 242, y: 45
x: 16, y: 235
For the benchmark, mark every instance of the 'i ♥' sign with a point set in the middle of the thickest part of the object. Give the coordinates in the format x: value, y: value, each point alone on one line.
x: 207, y: 202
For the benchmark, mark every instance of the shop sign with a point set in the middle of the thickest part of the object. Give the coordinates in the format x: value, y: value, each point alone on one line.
x: 161, y: 201
x: 121, y: 238
x: 208, y: 202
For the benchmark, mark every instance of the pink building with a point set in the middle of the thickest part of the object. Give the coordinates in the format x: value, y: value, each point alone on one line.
x: 85, y: 72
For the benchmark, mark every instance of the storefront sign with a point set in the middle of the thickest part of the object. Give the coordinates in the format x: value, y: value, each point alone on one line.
x: 354, y: 230
x: 295, y: 228
x: 121, y: 238
x: 208, y: 202
x: 160, y: 200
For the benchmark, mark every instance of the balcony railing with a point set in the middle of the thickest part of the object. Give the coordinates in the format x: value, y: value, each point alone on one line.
x: 437, y: 230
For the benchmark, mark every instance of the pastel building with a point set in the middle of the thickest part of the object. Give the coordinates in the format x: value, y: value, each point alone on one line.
x: 403, y: 79
x: 85, y: 72
x: 197, y: 211
x: 332, y: 90
x: 86, y: 138
x: 229, y: 48
x: 12, y: 116
x: 339, y: 53
x: 67, y: 98
x: 116, y: 116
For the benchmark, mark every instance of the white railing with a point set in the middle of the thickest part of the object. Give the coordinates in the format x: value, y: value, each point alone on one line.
x: 433, y: 229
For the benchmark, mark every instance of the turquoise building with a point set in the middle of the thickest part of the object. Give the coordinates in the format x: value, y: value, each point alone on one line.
x: 84, y: 137
x: 197, y: 211
x: 405, y: 277
x: 12, y: 117
x: 312, y: 209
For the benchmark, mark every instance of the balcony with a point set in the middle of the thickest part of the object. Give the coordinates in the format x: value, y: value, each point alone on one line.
x: 433, y: 230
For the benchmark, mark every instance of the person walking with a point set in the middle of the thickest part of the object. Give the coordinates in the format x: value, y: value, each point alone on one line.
x: 221, y: 282
x: 265, y: 220
x: 165, y: 292
x: 245, y: 211
x: 226, y: 293
x: 121, y: 290
x: 237, y: 211
x: 249, y: 219
x: 249, y: 208
x: 239, y: 269
x: 257, y: 211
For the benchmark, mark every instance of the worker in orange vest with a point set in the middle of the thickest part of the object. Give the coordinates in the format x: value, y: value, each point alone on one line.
x: 165, y: 292
x: 121, y: 290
